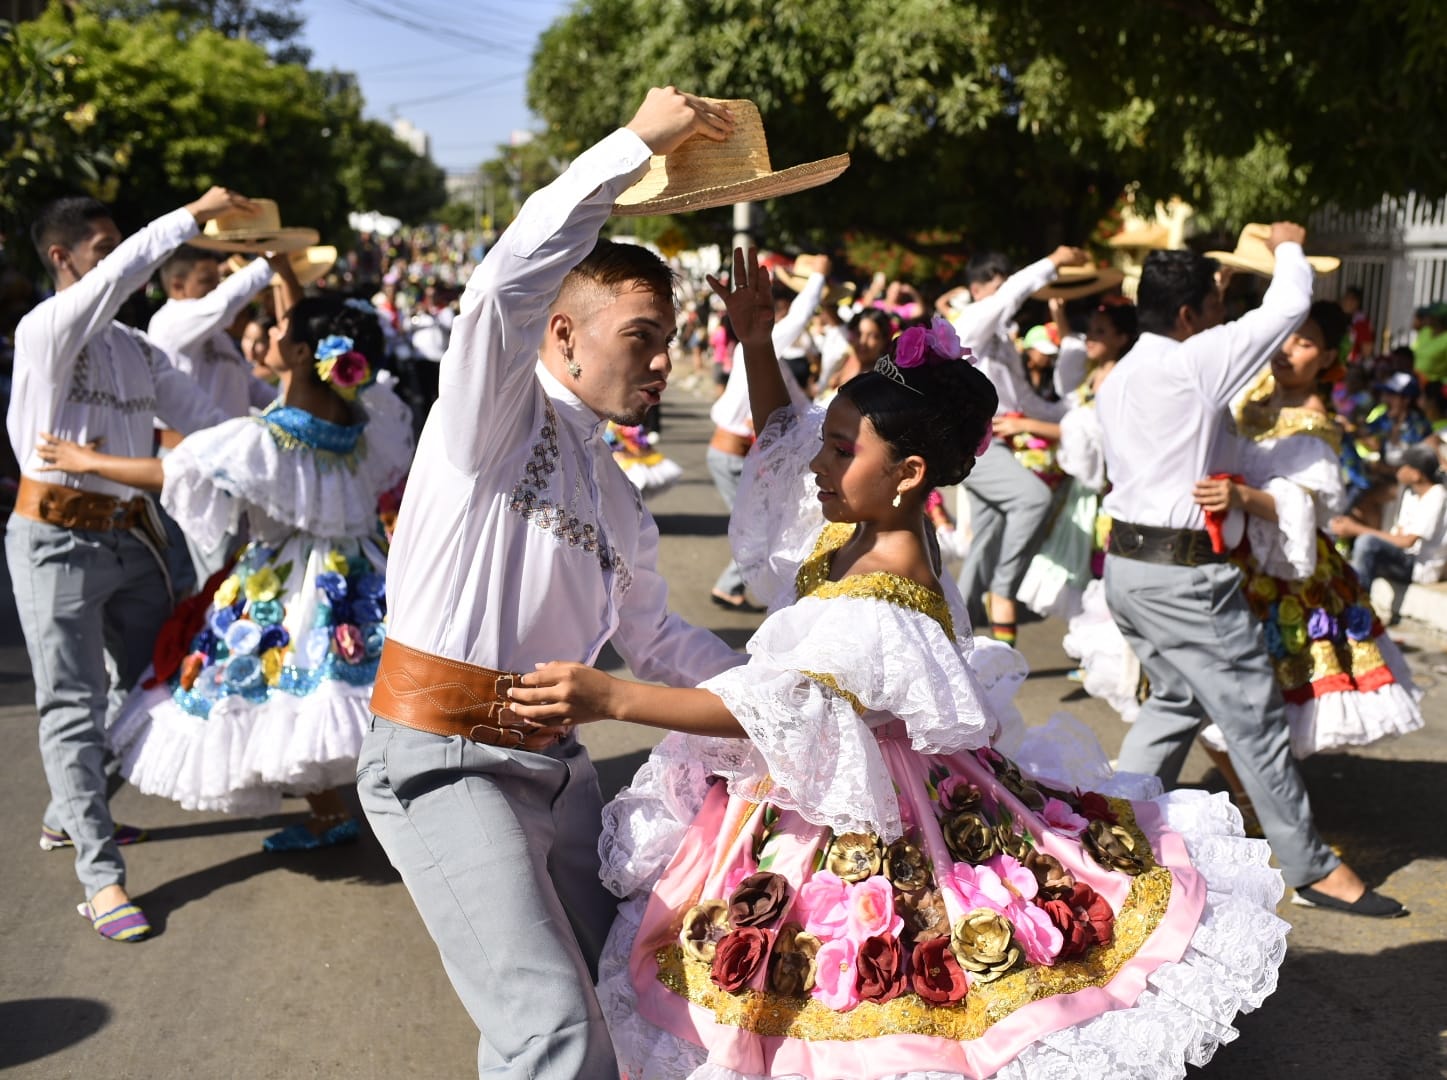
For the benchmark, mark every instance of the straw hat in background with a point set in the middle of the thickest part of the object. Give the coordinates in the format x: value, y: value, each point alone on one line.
x: 309, y: 265
x: 1073, y: 282
x: 702, y: 173
x: 1141, y: 234
x: 253, y: 233
x: 795, y: 278
x: 1253, y: 256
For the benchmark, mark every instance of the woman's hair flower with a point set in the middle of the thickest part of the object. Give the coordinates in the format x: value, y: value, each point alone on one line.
x: 340, y: 366
x: 910, y: 347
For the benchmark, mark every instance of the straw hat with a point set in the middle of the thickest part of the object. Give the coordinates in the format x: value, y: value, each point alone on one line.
x: 835, y: 292
x: 309, y: 265
x: 1073, y: 282
x: 1140, y: 234
x: 702, y: 173
x: 252, y: 234
x: 1253, y: 256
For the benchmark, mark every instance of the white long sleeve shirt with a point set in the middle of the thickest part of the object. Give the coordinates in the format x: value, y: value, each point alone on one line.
x: 80, y: 375
x: 732, y: 411
x: 193, y: 334
x: 1164, y: 410
x: 519, y: 539
x: 984, y: 328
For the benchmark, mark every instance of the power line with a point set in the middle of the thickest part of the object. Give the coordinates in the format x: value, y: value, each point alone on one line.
x: 459, y: 92
x: 438, y: 32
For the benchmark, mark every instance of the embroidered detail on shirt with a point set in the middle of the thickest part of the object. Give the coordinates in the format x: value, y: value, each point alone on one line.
x: 83, y: 393
x: 529, y: 498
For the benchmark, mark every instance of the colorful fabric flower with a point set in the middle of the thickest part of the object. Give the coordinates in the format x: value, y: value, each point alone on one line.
x: 1321, y: 626
x: 1036, y: 934
x: 333, y: 585
x: 1095, y: 806
x: 263, y: 585
x: 228, y: 591
x: 372, y: 586
x: 1061, y: 818
x: 871, y: 909
x: 738, y: 957
x: 190, y: 668
x: 792, y: 964
x: 366, y: 611
x: 271, y: 666
x: 1016, y: 878
x: 880, y: 964
x: 267, y: 612
x: 220, y: 621
x: 374, y: 636
x: 243, y: 673
x: 983, y: 943
x: 336, y: 562
x: 820, y: 905
x: 350, y: 645
x: 836, y: 975
x: 1358, y: 621
x: 759, y: 899
x: 957, y: 793
x: 1289, y: 612
x: 704, y: 926
x: 909, y: 348
x: 855, y: 856
x: 242, y: 638
x: 936, y: 975
x: 274, y: 637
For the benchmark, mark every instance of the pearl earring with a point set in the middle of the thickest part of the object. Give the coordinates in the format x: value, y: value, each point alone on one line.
x: 895, y: 502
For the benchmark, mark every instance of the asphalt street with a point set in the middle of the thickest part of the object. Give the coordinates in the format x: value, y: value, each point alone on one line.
x: 316, y: 965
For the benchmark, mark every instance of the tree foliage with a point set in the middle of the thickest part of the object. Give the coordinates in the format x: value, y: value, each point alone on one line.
x: 1021, y: 123
x: 149, y: 111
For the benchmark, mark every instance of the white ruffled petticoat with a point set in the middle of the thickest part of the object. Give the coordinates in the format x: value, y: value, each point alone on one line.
x: 274, y: 694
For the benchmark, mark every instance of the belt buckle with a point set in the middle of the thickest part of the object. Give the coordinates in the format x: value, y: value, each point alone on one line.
x: 1119, y: 541
x: 503, y: 683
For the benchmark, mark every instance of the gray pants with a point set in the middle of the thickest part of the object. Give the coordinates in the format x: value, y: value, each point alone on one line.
x: 83, y: 598
x: 1009, y: 506
x: 1205, y: 656
x: 499, y: 849
x: 727, y: 470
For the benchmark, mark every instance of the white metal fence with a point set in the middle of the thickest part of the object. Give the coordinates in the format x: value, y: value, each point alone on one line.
x: 1395, y: 252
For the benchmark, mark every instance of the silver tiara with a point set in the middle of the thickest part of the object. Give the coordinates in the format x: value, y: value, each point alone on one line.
x: 885, y: 366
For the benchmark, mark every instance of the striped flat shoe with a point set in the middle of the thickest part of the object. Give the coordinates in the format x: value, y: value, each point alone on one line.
x: 50, y: 839
x: 124, y: 923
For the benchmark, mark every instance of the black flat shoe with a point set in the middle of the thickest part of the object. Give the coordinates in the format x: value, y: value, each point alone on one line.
x: 735, y: 603
x: 1371, y: 904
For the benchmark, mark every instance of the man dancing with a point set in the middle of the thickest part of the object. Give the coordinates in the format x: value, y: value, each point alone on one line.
x: 520, y: 541
x: 1177, y: 601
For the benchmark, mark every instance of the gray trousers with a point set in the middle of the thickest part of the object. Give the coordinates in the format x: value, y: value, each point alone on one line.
x: 499, y: 849
x: 1009, y: 506
x: 1205, y: 655
x: 727, y: 470
x: 84, y: 599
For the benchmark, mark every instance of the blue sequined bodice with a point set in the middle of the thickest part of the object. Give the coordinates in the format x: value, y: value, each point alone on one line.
x: 291, y: 426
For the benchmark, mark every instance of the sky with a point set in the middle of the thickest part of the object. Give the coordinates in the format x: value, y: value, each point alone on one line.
x: 457, y: 69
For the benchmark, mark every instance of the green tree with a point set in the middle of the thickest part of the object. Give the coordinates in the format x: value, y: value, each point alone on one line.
x: 273, y: 24
x: 170, y: 106
x: 1020, y: 124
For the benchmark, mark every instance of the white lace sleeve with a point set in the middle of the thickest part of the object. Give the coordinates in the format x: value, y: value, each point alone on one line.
x: 1302, y: 475
x: 776, y: 516
x: 215, y: 475
x: 810, y: 749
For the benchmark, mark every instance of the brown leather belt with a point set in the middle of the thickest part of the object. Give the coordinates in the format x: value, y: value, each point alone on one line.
x: 168, y: 439
x: 1169, y: 547
x: 71, y: 508
x: 728, y: 443
x: 448, y: 697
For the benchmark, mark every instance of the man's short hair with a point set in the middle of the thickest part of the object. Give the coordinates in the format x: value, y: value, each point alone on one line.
x: 986, y: 267
x: 1356, y: 291
x: 183, y: 260
x: 67, y: 221
x: 1171, y: 280
x: 611, y: 266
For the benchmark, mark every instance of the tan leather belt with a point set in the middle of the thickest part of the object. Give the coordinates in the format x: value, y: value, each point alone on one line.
x: 448, y: 697
x: 727, y: 442
x: 168, y: 439
x: 71, y: 508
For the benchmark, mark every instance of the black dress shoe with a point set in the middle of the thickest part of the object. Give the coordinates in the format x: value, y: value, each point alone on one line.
x: 1371, y: 904
x: 736, y: 602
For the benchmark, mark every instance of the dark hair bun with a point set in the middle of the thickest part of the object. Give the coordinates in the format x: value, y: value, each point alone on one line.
x: 941, y: 415
x: 317, y: 317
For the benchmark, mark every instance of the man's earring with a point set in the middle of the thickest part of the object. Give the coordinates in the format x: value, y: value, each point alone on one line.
x: 575, y: 369
x: 895, y: 501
